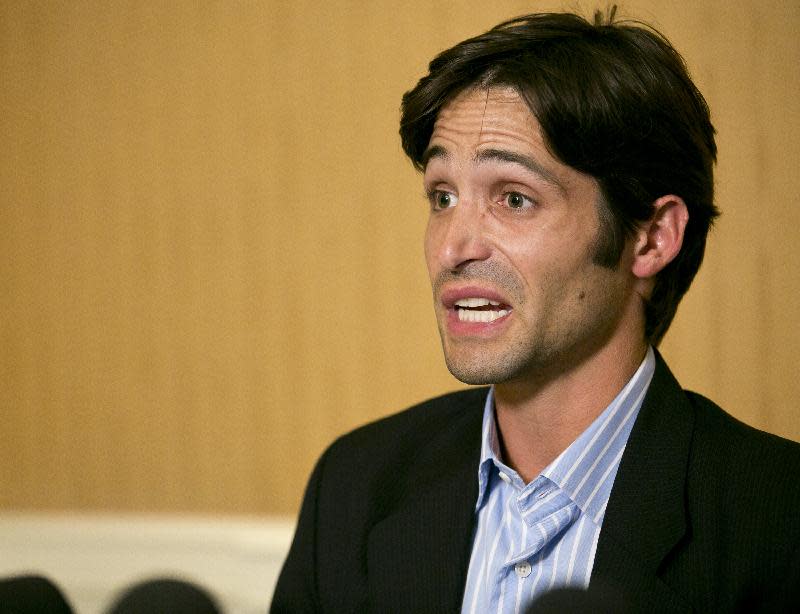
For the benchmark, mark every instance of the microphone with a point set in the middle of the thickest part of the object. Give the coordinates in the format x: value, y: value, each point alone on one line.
x: 165, y: 595
x: 578, y: 601
x: 31, y: 595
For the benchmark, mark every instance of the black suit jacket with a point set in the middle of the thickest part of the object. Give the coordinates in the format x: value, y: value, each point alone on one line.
x: 704, y: 514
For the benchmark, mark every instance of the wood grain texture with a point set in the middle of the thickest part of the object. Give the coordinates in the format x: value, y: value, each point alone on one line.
x: 211, y: 261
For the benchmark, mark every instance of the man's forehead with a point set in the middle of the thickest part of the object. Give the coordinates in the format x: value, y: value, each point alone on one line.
x: 485, y: 105
x: 483, y: 117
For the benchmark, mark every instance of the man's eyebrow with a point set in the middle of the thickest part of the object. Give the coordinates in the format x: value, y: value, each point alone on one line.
x: 502, y: 155
x: 434, y: 151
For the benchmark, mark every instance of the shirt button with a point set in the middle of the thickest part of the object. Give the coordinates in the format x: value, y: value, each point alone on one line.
x: 504, y: 477
x: 523, y: 569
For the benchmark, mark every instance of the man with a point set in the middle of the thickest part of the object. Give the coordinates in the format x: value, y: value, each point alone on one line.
x: 569, y: 171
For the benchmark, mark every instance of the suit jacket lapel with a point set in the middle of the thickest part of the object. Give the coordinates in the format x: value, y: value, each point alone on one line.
x: 417, y: 556
x: 646, y: 514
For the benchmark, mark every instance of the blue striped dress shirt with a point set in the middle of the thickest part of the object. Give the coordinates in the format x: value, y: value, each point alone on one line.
x: 531, y: 538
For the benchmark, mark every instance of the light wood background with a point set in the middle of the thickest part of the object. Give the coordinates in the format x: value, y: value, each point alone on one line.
x: 210, y: 242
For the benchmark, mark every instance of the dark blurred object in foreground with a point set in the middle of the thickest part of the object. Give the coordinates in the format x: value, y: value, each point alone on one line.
x: 165, y: 595
x: 31, y: 595
x: 577, y: 601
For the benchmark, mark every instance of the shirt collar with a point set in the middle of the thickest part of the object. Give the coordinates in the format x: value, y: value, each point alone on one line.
x: 580, y: 469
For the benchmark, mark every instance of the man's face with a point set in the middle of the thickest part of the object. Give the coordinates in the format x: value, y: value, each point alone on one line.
x: 509, y: 246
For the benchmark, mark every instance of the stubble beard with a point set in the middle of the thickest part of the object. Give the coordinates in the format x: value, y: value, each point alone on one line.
x: 482, y: 365
x: 480, y: 371
x: 541, y: 351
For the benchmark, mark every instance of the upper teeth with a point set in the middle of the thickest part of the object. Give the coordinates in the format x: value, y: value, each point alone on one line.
x: 488, y: 315
x: 465, y: 315
x: 476, y: 302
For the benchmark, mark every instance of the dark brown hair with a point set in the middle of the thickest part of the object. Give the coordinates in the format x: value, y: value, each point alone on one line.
x: 614, y: 101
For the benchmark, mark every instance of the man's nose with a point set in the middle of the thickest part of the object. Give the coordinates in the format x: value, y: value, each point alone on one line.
x: 463, y: 237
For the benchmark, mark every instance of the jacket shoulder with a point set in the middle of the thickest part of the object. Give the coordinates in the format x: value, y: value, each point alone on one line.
x: 745, y: 451
x: 751, y: 475
x: 740, y: 485
x: 360, y: 480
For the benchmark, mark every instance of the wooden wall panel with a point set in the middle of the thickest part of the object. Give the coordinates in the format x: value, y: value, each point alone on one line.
x: 210, y: 258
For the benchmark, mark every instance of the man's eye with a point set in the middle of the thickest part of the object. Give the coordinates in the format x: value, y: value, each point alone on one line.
x: 515, y: 200
x: 442, y: 200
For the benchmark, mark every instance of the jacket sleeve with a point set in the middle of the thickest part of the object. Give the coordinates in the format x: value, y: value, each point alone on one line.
x: 296, y: 590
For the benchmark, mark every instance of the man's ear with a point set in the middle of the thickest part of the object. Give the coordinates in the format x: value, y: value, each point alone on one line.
x: 659, y: 239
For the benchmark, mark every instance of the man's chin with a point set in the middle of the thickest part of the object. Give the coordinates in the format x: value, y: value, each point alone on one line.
x: 477, y: 373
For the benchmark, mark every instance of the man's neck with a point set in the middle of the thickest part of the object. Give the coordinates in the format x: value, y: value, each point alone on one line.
x: 539, y: 417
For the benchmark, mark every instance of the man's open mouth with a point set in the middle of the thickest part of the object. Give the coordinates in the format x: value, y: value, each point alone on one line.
x: 480, y: 310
